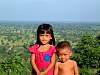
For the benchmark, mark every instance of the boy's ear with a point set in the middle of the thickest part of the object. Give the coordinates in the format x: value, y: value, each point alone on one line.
x: 71, y: 53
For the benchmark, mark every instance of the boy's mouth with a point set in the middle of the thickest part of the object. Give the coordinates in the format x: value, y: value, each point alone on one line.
x: 61, y: 61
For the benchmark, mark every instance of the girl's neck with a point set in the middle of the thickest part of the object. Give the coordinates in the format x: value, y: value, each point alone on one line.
x: 44, y: 48
x: 44, y: 45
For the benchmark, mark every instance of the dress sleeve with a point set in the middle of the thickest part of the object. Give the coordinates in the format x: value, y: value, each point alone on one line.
x: 32, y: 49
x: 54, y: 49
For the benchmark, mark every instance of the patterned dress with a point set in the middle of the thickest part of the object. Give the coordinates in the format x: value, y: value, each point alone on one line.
x: 42, y: 59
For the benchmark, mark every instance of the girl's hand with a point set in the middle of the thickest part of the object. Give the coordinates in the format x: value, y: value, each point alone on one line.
x: 41, y: 73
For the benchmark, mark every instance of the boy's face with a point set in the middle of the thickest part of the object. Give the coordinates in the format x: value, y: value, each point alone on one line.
x: 45, y: 38
x: 64, y: 54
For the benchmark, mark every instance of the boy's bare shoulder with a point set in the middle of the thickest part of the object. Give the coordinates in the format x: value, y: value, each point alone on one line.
x: 72, y: 62
x: 58, y: 62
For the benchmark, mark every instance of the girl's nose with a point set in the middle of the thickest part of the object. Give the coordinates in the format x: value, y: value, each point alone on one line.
x: 43, y: 37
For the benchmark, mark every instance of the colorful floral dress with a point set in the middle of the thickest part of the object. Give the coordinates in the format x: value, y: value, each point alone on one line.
x: 43, y: 59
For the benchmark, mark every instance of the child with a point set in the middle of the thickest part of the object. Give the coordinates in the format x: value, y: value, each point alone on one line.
x: 43, y: 51
x: 65, y: 66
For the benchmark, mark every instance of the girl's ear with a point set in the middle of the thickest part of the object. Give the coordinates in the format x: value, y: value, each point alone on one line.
x: 50, y: 37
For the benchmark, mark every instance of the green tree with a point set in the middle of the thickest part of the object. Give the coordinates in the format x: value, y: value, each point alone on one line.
x: 14, y: 65
x: 88, y: 53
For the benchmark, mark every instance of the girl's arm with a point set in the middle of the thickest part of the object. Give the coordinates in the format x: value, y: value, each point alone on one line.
x: 76, y: 68
x: 33, y: 63
x: 53, y: 59
x: 56, y: 69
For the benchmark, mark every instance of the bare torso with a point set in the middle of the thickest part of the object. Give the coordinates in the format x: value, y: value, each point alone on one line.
x: 66, y: 68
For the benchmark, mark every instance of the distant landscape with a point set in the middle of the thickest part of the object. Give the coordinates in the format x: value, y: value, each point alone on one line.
x: 15, y: 38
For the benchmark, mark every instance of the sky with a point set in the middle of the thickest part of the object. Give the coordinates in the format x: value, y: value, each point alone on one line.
x: 50, y: 10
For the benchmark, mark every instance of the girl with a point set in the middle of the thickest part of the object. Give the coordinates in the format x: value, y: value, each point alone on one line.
x: 43, y: 51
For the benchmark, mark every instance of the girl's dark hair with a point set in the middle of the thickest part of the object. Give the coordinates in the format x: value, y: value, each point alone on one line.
x: 48, y: 29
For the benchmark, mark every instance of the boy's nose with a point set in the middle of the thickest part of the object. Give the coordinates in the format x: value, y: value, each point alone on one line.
x: 62, y: 56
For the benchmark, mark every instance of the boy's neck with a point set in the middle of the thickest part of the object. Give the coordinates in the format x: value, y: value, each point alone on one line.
x: 65, y: 61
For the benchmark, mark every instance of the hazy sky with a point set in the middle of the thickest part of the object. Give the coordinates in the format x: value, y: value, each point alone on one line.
x: 50, y: 10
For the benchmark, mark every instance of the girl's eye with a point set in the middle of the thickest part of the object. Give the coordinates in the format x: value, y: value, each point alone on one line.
x: 44, y: 35
x: 47, y: 35
x: 41, y: 34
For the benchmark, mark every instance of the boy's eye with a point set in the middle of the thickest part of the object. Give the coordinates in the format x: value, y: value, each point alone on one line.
x: 65, y: 54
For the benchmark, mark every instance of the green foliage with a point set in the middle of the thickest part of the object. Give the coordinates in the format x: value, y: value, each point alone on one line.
x: 84, y: 71
x: 14, y: 65
x: 98, y: 72
x: 88, y: 53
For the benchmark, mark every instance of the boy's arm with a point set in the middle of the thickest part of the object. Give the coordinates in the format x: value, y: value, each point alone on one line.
x: 33, y: 63
x: 53, y: 59
x: 56, y: 69
x: 76, y: 72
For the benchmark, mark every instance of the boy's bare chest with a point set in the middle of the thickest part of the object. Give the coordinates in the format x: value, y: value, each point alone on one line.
x: 66, y: 67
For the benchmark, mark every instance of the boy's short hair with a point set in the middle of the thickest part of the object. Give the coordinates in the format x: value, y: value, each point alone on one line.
x: 62, y: 45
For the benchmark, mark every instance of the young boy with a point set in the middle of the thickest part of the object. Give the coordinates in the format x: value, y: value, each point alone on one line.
x: 65, y: 66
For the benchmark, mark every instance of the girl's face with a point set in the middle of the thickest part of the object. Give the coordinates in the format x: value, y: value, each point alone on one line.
x: 45, y: 38
x: 64, y: 54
